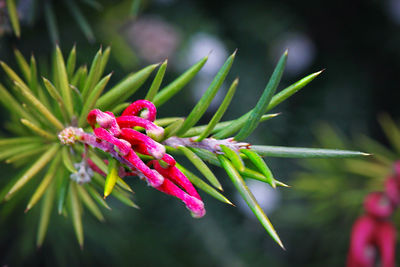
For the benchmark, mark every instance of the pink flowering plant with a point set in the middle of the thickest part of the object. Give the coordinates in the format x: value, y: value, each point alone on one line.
x: 81, y: 145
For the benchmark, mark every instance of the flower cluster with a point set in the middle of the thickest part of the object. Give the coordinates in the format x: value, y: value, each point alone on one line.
x: 118, y: 137
x: 373, y: 231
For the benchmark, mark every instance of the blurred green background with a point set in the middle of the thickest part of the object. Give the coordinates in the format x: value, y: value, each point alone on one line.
x: 356, y: 41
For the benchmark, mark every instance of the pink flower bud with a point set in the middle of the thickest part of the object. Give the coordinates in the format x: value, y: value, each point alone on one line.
x: 378, y: 204
x: 137, y: 106
x: 104, y: 120
x: 176, y: 176
x: 136, y: 138
x: 121, y: 146
x: 153, y: 178
x: 152, y: 130
x: 195, y: 205
x: 361, y: 252
x: 385, y: 238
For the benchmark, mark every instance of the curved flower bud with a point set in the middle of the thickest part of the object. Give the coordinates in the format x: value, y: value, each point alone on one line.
x: 137, y: 106
x: 385, y: 238
x: 362, y: 252
x: 104, y: 120
x: 175, y: 175
x: 378, y: 204
x: 195, y: 205
x: 153, y: 178
x: 136, y: 138
x: 121, y: 146
x: 152, y: 130
x: 168, y: 159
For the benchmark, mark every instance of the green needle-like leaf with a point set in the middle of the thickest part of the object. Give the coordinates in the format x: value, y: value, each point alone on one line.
x: 249, y: 173
x: 262, y: 104
x: 79, y: 77
x: 220, y: 112
x: 124, y: 198
x: 67, y: 161
x: 222, y: 126
x: 63, y: 80
x: 237, y: 124
x: 124, y: 89
x: 12, y: 75
x: 33, y: 170
x: 234, y: 157
x: 62, y: 189
x: 246, y: 194
x: 112, y: 177
x: 203, y: 185
x: 33, y: 82
x: 48, y: 178
x: 37, y: 130
x: 104, y: 60
x: 13, y: 105
x: 98, y: 161
x: 13, y: 13
x: 75, y: 210
x: 45, y: 213
x: 17, y: 149
x: 90, y: 101
x: 173, y: 128
x: 201, y: 166
x: 89, y: 203
x: 291, y: 90
x: 124, y: 185
x: 18, y: 141
x: 80, y: 19
x: 166, y: 121
x: 260, y: 164
x: 71, y: 62
x: 23, y: 65
x: 300, y: 152
x: 212, y: 158
x: 17, y: 159
x: 207, y: 97
x: 174, y: 87
x: 121, y: 196
x: 53, y: 92
x: 156, y: 82
x: 39, y: 106
x: 94, y: 74
x: 227, y: 130
x: 96, y: 196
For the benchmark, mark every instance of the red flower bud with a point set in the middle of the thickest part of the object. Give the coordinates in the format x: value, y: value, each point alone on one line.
x: 378, y: 204
x: 137, y: 106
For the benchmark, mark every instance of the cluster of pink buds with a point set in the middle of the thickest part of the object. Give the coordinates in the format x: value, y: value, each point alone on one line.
x: 117, y: 137
x: 373, y: 232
